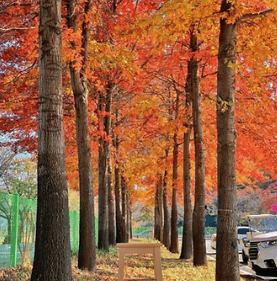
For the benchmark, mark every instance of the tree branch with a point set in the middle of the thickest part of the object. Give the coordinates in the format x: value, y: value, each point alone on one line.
x: 255, y: 15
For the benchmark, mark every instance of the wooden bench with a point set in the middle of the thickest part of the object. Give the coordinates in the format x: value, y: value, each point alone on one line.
x: 140, y: 248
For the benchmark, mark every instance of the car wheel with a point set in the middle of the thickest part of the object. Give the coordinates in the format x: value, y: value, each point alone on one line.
x: 258, y: 270
x: 244, y: 257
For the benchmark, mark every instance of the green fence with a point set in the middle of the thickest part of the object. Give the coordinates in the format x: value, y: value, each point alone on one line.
x: 209, y: 230
x: 147, y: 231
x: 17, y: 229
x: 74, y: 217
x: 142, y: 231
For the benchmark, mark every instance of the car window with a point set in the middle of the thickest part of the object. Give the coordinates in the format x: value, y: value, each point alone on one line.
x: 243, y: 230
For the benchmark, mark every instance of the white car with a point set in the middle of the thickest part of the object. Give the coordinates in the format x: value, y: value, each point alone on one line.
x: 242, y: 233
x: 260, y: 248
x: 263, y: 252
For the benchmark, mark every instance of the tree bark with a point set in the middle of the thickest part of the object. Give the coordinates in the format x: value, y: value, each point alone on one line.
x: 130, y: 221
x: 227, y: 262
x: 119, y: 219
x: 117, y: 189
x: 186, y: 252
x: 128, y: 218
x: 111, y: 208
x: 199, y: 241
x: 124, y: 209
x: 103, y: 226
x: 52, y: 260
x: 87, y: 249
x: 165, y: 208
x: 187, y: 241
x: 158, y: 219
x: 174, y: 213
x: 107, y: 149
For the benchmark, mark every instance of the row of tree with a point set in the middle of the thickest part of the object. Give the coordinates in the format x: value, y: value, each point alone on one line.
x: 137, y: 71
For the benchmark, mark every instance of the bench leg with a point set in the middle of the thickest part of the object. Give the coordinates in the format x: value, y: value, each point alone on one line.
x: 121, y: 266
x: 157, y: 264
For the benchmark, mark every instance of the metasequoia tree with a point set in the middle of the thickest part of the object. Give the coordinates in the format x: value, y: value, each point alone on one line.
x: 121, y: 227
x: 227, y: 267
x: 199, y: 241
x: 52, y: 260
x: 165, y: 211
x: 226, y: 246
x: 103, y: 220
x: 107, y: 149
x: 174, y: 214
x: 111, y: 207
x: 87, y: 251
x: 125, y: 208
x: 105, y: 187
x: 187, y: 242
x: 158, y: 216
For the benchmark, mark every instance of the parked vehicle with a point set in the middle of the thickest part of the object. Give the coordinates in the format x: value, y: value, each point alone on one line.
x: 242, y: 232
x: 260, y: 247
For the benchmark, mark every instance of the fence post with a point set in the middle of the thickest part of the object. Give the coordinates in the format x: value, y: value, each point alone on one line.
x: 15, y: 215
x: 74, y: 220
x: 96, y: 229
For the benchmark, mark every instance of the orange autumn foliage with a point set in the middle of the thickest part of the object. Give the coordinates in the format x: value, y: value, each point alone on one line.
x: 146, y: 57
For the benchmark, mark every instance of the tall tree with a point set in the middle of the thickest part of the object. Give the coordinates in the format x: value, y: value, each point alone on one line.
x: 165, y: 210
x: 107, y: 150
x: 186, y: 252
x: 112, y: 237
x: 121, y: 207
x: 103, y: 220
x: 174, y: 213
x: 158, y: 216
x: 52, y: 259
x: 87, y: 250
x: 120, y: 226
x: 227, y: 262
x: 104, y: 112
x: 125, y: 208
x: 199, y: 242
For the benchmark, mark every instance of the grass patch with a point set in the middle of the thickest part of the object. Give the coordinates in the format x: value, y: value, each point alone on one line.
x: 136, y: 266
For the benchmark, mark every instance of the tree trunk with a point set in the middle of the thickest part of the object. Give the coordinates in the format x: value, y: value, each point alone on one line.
x: 103, y: 226
x: 186, y: 252
x: 130, y: 221
x: 124, y: 209
x: 117, y: 189
x: 111, y: 209
x: 174, y: 213
x: 128, y: 218
x: 158, y: 219
x: 118, y: 214
x: 199, y: 241
x: 87, y: 250
x: 52, y: 260
x: 187, y: 241
x: 107, y: 148
x: 165, y: 208
x: 227, y: 262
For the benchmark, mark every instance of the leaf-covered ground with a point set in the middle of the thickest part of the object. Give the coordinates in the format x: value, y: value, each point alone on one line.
x: 136, y: 266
